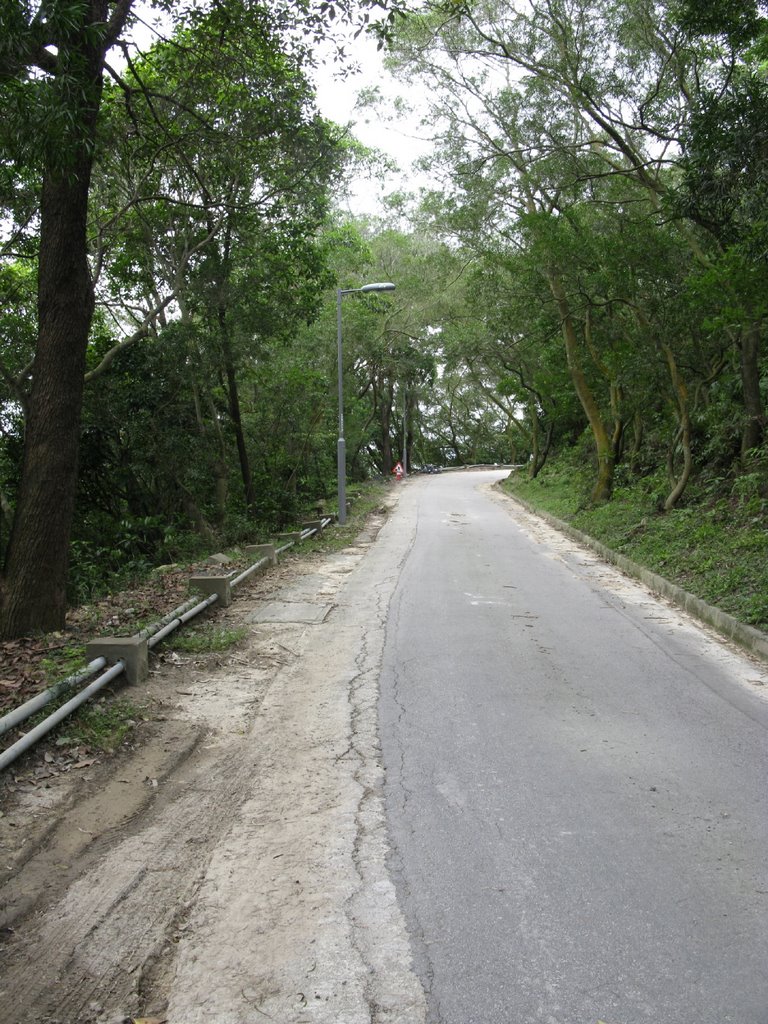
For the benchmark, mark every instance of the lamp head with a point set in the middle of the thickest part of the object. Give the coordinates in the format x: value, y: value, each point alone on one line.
x: 381, y: 286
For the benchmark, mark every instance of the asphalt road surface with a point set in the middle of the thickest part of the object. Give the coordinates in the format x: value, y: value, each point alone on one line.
x: 575, y: 782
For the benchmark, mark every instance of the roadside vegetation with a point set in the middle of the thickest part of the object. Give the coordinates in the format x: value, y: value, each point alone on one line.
x: 100, y: 726
x: 209, y: 638
x: 715, y: 545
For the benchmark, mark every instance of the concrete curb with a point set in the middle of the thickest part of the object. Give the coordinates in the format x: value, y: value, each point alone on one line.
x: 748, y: 637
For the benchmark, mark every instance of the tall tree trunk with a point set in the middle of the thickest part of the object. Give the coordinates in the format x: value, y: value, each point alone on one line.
x: 412, y: 409
x: 221, y: 259
x: 542, y: 452
x: 385, y: 426
x: 603, y: 487
x: 753, y: 433
x: 35, y: 576
x: 33, y: 589
x: 533, y: 462
x: 193, y: 513
x: 617, y: 436
x: 682, y: 437
x: 233, y: 397
x: 220, y: 466
x: 638, y: 434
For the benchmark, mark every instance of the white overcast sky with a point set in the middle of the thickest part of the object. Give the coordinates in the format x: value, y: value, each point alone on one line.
x: 400, y: 137
x: 336, y: 97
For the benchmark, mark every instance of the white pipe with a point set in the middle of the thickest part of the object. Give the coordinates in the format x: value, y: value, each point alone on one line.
x: 150, y: 631
x: 181, y: 619
x: 23, y: 711
x: 31, y: 737
x: 168, y: 624
x: 244, y: 575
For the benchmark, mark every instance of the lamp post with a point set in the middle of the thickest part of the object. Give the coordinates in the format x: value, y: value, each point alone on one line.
x: 341, y: 450
x: 405, y: 431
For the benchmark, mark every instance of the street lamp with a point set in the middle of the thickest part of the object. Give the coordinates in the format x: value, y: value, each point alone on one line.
x: 341, y: 450
x: 405, y: 431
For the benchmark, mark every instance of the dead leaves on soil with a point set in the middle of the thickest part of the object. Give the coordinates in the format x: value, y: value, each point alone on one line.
x: 21, y: 673
x: 54, y: 765
x: 21, y: 670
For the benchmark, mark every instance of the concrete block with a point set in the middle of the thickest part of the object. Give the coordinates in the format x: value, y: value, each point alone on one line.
x: 313, y: 524
x: 219, y: 559
x: 258, y: 551
x: 294, y: 536
x: 133, y: 651
x: 221, y: 585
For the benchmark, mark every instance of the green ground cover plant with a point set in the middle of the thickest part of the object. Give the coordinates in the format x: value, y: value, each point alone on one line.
x: 714, y: 546
x: 100, y: 725
x: 208, y: 638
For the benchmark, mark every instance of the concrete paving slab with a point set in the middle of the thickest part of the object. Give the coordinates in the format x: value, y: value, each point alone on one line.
x: 290, y: 611
x: 303, y: 591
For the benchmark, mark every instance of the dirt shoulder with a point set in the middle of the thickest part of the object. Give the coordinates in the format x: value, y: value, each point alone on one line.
x: 228, y: 863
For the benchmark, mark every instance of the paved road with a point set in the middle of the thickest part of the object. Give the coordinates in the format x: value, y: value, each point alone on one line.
x: 576, y: 783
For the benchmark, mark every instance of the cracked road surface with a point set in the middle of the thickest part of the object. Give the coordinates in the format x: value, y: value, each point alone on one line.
x: 575, y: 782
x: 460, y: 772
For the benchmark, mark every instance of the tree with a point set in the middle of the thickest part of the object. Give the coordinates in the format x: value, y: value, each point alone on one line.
x: 51, y: 80
x: 724, y: 188
x: 249, y: 211
x: 53, y: 62
x: 559, y: 130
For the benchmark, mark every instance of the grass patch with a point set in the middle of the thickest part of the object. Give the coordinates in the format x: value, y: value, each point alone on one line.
x: 209, y: 638
x: 63, y: 663
x: 715, y: 548
x: 101, y: 725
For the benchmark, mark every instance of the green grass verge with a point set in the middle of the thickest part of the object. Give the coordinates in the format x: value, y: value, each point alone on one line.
x: 101, y: 725
x: 67, y: 661
x: 208, y: 638
x: 715, y: 547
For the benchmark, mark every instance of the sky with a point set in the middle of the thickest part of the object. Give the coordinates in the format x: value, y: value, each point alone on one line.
x: 396, y: 134
x: 400, y: 139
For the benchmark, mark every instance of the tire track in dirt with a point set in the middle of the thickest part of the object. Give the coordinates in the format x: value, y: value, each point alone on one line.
x: 90, y: 947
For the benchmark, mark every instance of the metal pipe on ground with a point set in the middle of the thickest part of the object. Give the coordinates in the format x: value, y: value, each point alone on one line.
x: 156, y: 627
x: 34, y: 704
x: 30, y: 738
x: 23, y: 711
x: 166, y: 625
x: 311, y: 530
x: 200, y: 606
x: 304, y: 535
x: 253, y: 568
